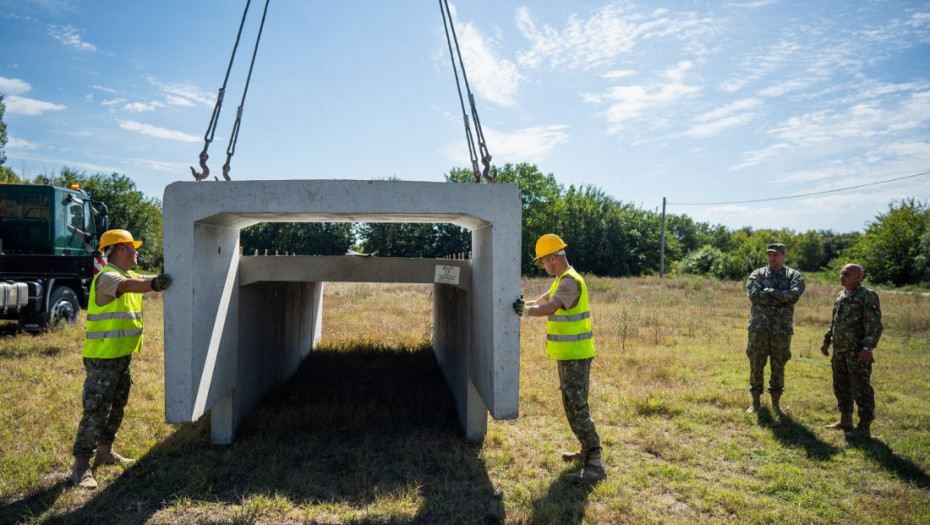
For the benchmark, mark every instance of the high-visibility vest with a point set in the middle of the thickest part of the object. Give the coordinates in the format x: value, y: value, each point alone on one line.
x: 568, y: 332
x: 113, y: 330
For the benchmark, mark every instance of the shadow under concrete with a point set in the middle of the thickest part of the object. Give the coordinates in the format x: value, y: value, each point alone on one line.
x: 354, y: 428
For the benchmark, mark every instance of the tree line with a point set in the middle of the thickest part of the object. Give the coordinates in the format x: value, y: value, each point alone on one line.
x: 606, y: 236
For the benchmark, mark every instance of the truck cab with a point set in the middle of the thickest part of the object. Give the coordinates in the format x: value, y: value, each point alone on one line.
x: 48, y: 252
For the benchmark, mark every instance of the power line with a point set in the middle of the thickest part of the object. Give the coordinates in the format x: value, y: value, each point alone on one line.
x: 800, y: 195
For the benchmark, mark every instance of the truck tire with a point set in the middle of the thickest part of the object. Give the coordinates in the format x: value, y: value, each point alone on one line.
x: 63, y: 306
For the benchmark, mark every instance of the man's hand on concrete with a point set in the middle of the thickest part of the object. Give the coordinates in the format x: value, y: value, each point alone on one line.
x: 161, y: 282
x: 519, y: 306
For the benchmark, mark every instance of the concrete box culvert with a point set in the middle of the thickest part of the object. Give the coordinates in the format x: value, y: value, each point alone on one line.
x: 237, y: 326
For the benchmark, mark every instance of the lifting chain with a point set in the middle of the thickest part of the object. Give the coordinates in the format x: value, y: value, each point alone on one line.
x: 211, y: 128
x: 482, y: 149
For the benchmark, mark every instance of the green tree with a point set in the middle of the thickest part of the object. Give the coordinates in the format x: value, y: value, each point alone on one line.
x: 129, y: 209
x: 834, y: 244
x: 6, y: 174
x: 314, y: 238
x: 890, y: 248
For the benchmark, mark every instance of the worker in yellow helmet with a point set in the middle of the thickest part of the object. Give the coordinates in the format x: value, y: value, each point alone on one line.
x: 114, y: 333
x: 569, y: 341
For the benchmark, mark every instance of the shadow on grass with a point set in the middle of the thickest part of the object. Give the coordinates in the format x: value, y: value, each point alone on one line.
x: 364, y: 435
x: 795, y: 434
x: 564, y: 503
x: 902, y: 468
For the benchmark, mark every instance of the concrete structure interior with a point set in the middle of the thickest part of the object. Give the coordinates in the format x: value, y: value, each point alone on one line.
x: 237, y: 326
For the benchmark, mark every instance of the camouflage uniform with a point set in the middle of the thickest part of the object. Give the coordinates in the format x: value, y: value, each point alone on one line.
x: 106, y: 392
x: 773, y: 295
x: 574, y: 377
x: 856, y: 324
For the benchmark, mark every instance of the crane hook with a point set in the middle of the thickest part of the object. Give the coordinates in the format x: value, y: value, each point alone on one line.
x: 203, y: 165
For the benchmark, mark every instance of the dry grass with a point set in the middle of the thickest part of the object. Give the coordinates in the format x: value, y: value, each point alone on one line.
x: 366, y: 431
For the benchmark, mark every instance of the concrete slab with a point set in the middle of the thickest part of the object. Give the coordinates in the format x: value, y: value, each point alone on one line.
x: 236, y: 326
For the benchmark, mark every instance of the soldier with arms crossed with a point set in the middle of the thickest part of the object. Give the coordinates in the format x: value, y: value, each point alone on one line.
x: 773, y: 291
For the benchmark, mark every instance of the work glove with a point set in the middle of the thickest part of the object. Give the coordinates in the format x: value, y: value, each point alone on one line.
x: 519, y: 306
x: 161, y: 282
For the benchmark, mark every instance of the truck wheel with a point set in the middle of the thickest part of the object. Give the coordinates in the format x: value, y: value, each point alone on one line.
x: 63, y: 306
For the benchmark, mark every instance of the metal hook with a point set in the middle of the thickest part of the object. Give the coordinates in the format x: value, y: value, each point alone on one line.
x: 203, y: 165
x: 226, y: 171
x: 487, y: 168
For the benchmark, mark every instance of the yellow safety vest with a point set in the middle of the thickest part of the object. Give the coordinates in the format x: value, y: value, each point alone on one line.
x: 114, y: 330
x: 568, y: 332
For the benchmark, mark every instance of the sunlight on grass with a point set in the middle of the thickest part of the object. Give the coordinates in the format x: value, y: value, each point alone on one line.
x: 366, y: 431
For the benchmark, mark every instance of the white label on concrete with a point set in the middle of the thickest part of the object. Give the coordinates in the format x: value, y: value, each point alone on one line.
x: 446, y: 274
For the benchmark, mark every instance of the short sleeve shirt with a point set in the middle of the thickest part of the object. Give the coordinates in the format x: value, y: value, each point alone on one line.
x: 107, y: 282
x: 567, y: 293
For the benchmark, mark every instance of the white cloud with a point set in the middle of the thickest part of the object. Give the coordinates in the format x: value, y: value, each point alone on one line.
x: 160, y: 165
x: 178, y: 101
x: 731, y: 115
x: 183, y: 94
x: 529, y: 144
x: 13, y: 86
x: 19, y: 144
x: 596, y: 41
x: 27, y: 106
x: 104, y: 89
x: 613, y: 75
x: 631, y: 102
x: 494, y: 78
x: 71, y: 37
x: 141, y: 107
x: 113, y: 102
x: 154, y: 131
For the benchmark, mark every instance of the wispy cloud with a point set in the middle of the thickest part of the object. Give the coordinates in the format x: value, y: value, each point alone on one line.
x: 113, y: 102
x: 491, y: 76
x: 20, y: 144
x: 630, y: 102
x: 142, y: 107
x: 614, y: 30
x: 529, y: 144
x: 70, y: 36
x: 179, y: 94
x: 731, y: 115
x: 28, y: 106
x: 154, y: 131
x: 13, y: 86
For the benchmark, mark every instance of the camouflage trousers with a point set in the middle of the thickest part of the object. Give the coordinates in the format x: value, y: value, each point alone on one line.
x: 775, y: 348
x: 574, y: 378
x: 106, y: 392
x: 851, y: 382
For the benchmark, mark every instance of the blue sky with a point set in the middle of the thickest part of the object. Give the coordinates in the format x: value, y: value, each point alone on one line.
x: 692, y: 101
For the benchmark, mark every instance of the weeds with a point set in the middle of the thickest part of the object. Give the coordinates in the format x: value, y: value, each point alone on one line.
x: 366, y: 431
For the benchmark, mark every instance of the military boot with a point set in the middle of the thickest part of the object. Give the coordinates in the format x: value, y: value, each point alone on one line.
x: 755, y: 404
x: 106, y: 456
x: 591, y: 472
x: 845, y: 422
x: 863, y: 430
x: 776, y: 407
x: 572, y: 456
x: 81, y: 474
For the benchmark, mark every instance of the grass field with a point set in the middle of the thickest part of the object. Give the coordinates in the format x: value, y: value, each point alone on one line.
x: 366, y: 431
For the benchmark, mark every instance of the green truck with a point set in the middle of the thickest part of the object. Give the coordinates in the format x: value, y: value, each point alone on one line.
x: 48, y: 253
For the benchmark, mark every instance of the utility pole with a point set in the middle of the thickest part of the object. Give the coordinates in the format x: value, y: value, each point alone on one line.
x: 662, y: 249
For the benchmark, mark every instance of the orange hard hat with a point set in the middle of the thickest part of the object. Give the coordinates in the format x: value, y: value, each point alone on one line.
x: 111, y: 237
x: 548, y: 243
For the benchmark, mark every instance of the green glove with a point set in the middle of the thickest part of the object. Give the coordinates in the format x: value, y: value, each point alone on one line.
x: 161, y: 282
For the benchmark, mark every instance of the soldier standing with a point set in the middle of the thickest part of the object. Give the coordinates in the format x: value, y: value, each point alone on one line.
x: 569, y: 342
x: 114, y: 333
x: 854, y: 332
x: 773, y: 291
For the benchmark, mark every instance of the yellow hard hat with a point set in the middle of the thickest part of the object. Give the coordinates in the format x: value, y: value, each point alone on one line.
x: 111, y: 237
x: 548, y: 243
